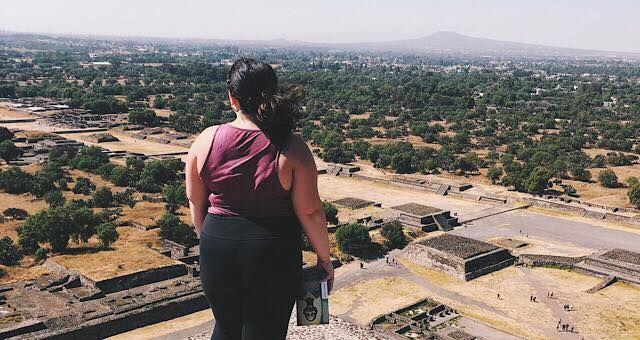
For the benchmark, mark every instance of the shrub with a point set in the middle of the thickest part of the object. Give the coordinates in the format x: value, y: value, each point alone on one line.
x: 17, y: 213
x: 352, y: 236
x: 83, y: 186
x: 330, y: 212
x: 394, y: 235
x: 27, y: 239
x: 107, y: 234
x: 634, y: 194
x: 102, y: 198
x: 41, y: 254
x: 125, y: 198
x: 171, y: 228
x: 15, y: 181
x: 494, y: 174
x: 9, y: 254
x: 570, y: 190
x: 608, y: 179
x: 54, y: 198
x: 175, y: 196
x: 9, y: 151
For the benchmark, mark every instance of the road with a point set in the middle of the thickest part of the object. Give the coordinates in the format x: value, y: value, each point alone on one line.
x: 552, y: 229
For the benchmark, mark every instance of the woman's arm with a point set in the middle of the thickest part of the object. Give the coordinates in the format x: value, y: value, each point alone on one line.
x: 197, y: 191
x: 308, y: 206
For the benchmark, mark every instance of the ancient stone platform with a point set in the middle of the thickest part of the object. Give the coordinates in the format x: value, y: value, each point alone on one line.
x: 424, y: 217
x: 462, y: 257
x: 619, y: 263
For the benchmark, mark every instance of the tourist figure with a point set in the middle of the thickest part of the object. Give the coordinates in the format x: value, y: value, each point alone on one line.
x: 252, y: 189
x: 572, y: 329
x: 361, y: 265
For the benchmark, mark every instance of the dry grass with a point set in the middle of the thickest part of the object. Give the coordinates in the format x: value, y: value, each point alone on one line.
x: 128, y: 143
x: 26, y: 270
x: 131, y: 253
x: 366, y: 300
x: 615, y: 316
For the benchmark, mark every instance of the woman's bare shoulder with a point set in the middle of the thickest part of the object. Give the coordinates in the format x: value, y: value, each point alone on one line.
x: 203, y: 141
x: 298, y: 150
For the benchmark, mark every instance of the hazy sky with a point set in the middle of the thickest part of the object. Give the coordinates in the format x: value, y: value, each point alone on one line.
x: 605, y: 24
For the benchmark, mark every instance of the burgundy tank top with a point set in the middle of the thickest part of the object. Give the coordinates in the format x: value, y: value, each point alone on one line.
x: 241, y: 173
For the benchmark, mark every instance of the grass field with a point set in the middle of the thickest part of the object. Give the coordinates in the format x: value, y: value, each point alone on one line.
x: 133, y: 252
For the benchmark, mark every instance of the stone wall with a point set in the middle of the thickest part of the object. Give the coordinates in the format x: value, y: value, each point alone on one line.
x: 119, y: 283
x: 432, y: 258
x: 114, y: 324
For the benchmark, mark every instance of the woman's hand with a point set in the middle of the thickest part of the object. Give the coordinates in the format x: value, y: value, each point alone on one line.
x: 327, y: 267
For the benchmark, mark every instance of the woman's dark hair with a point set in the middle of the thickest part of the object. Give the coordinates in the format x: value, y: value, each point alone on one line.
x: 255, y: 85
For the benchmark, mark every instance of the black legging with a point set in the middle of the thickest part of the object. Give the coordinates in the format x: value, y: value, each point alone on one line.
x: 250, y: 272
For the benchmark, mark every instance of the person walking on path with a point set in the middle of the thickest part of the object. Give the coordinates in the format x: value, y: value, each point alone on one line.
x: 252, y: 189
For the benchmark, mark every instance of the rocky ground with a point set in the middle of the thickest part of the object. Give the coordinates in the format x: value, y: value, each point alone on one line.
x: 336, y: 329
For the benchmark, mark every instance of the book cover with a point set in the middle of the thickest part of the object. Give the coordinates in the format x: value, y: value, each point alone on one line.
x: 312, y: 304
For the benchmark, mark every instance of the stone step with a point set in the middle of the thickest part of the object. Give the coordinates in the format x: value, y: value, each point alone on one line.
x: 594, y: 214
x: 609, y: 280
x: 443, y: 189
x: 442, y: 223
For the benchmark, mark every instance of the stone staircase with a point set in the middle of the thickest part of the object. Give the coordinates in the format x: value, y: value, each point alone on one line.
x: 443, y: 189
x: 594, y: 214
x: 442, y: 223
x: 609, y: 280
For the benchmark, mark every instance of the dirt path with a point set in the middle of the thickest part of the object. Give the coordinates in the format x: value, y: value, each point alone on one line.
x: 553, y: 304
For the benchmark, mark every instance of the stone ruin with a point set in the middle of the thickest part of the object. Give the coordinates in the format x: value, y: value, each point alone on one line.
x: 342, y: 169
x: 624, y: 265
x: 66, y: 304
x: 355, y: 203
x: 425, y: 319
x: 103, y: 138
x: 424, y: 217
x: 36, y: 148
x: 84, y: 119
x: 462, y: 257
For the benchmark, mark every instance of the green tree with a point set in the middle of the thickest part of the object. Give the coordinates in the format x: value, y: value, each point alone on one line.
x: 41, y: 254
x: 143, y: 117
x: 494, y: 173
x: 125, y: 198
x: 570, y: 190
x: 608, y: 179
x: 5, y: 134
x: 392, y: 232
x: 54, y: 198
x: 352, y: 237
x: 107, y: 234
x: 9, y: 151
x: 102, y: 198
x: 538, y: 181
x: 330, y: 212
x: 634, y: 194
x: 175, y: 196
x: 83, y: 186
x: 171, y: 228
x: 9, y: 254
x: 15, y: 181
x: 581, y: 174
x: 42, y: 184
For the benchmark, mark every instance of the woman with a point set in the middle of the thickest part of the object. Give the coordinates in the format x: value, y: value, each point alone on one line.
x: 252, y: 186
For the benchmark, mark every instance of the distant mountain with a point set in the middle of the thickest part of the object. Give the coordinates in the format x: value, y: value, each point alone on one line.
x: 446, y: 43
x: 452, y: 42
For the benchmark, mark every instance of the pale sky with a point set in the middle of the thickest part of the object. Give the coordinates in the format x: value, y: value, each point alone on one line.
x: 606, y: 25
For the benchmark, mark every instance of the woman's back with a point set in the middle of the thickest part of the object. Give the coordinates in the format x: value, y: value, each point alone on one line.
x: 241, y: 173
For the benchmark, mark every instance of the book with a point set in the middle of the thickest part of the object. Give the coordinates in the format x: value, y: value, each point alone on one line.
x: 312, y: 303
